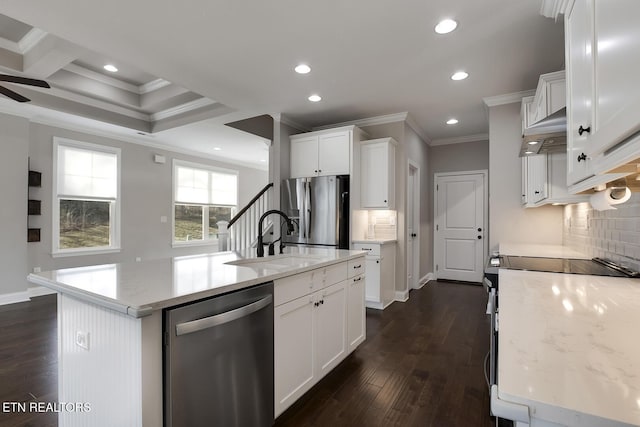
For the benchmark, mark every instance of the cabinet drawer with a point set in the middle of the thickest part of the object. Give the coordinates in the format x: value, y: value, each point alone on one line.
x: 292, y: 287
x: 334, y: 274
x: 373, y: 249
x: 355, y: 267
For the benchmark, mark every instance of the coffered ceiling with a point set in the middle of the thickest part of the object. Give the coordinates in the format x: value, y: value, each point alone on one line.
x: 236, y: 58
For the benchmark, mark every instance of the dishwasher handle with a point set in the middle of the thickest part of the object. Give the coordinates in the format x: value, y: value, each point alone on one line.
x: 222, y: 318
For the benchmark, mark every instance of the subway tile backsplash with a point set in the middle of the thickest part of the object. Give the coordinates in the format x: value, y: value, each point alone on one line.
x: 611, y: 234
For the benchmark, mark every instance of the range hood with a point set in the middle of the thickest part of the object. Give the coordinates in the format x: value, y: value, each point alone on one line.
x: 549, y: 135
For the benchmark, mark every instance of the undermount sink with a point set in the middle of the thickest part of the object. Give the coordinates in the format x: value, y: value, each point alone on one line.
x: 277, y: 262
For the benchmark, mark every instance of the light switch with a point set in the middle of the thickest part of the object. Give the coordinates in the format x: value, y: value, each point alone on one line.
x: 163, y: 219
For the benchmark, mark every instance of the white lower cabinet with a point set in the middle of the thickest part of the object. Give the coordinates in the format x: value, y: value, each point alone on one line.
x: 381, y: 273
x: 315, y: 332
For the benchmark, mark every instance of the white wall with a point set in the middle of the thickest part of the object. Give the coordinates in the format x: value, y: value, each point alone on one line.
x: 14, y: 151
x: 467, y: 156
x: 508, y: 220
x: 146, y: 189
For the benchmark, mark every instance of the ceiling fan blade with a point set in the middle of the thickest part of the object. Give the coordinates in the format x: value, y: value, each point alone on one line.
x: 13, y: 95
x: 23, y: 81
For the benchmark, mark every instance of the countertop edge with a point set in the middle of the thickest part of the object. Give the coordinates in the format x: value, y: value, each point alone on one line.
x: 148, y: 309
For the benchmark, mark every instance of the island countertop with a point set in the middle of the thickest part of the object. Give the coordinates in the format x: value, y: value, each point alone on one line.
x: 568, y: 347
x: 139, y: 288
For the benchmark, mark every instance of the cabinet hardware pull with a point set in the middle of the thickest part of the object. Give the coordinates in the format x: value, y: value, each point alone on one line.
x: 582, y: 157
x: 357, y: 266
x: 377, y: 261
x: 385, y: 201
x: 582, y: 130
x: 536, y: 192
x: 357, y: 279
x: 321, y: 301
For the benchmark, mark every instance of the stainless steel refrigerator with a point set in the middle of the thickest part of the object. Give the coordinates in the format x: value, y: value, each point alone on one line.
x: 319, y: 208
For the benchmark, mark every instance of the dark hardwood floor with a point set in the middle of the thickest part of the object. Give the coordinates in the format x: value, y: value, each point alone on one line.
x: 421, y: 365
x: 28, y: 360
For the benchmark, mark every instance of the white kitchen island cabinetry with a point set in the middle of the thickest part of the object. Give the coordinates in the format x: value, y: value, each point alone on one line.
x: 377, y: 179
x: 314, y: 332
x: 381, y: 272
x: 602, y: 41
x: 323, y: 153
x: 111, y: 337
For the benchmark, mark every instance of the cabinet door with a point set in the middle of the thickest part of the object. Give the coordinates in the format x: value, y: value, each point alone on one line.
x: 524, y: 184
x: 304, y: 157
x: 333, y: 153
x: 356, y: 322
x: 331, y: 327
x: 579, y: 60
x: 372, y: 280
x: 376, y: 177
x: 538, y: 176
x: 294, y: 359
x: 616, y: 61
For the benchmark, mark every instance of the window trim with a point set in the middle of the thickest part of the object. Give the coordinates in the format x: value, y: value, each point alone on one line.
x: 205, y: 241
x: 115, y: 222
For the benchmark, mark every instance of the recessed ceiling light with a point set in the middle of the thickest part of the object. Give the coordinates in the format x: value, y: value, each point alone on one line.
x: 446, y: 26
x: 528, y: 152
x: 452, y: 121
x: 302, y: 69
x: 263, y: 160
x: 111, y: 68
x: 314, y: 98
x: 460, y: 75
x: 533, y: 142
x: 217, y: 149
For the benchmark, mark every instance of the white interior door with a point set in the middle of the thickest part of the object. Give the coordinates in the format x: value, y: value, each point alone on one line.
x: 413, y: 221
x: 460, y: 226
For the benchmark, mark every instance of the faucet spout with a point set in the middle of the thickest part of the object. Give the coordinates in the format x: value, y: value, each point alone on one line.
x: 290, y: 229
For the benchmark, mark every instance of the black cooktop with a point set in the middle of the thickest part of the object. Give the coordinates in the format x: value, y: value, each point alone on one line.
x: 595, y: 266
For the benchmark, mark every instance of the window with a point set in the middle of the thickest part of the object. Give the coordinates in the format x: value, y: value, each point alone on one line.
x: 202, y: 196
x: 86, y: 198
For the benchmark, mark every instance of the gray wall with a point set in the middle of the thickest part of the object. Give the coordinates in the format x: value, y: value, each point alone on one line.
x: 13, y: 214
x: 508, y: 220
x: 467, y: 156
x: 146, y: 189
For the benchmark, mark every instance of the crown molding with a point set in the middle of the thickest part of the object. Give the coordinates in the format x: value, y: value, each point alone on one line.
x: 417, y: 129
x: 84, y: 72
x: 479, y: 137
x: 554, y: 8
x: 371, y: 121
x: 279, y: 117
x: 153, y: 85
x: 31, y: 39
x: 508, y: 98
x: 180, y: 109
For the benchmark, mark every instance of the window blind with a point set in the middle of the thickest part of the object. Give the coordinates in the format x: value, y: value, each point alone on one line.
x: 86, y: 173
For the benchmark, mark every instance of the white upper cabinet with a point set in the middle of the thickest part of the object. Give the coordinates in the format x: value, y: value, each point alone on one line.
x: 321, y: 153
x: 602, y: 39
x: 544, y: 181
x: 377, y: 173
x: 579, y: 59
x: 551, y: 96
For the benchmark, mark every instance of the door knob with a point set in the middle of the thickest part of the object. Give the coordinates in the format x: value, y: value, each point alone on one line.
x: 479, y: 229
x: 479, y: 237
x: 414, y: 234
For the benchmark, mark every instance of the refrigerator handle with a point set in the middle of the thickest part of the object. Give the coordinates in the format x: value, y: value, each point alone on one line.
x: 307, y: 209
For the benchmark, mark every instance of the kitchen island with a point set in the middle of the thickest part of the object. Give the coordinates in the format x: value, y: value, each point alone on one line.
x: 110, y: 321
x: 568, y: 353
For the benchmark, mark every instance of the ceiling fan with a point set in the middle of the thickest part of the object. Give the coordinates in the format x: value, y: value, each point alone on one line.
x: 19, y: 80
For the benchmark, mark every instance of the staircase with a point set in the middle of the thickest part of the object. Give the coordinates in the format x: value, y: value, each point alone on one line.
x: 242, y: 229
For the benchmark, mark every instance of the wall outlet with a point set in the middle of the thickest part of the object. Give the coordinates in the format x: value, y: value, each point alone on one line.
x: 37, y: 269
x: 82, y: 339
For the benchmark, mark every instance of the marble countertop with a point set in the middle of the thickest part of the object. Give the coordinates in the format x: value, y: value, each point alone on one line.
x: 568, y: 347
x: 139, y: 288
x: 539, y: 250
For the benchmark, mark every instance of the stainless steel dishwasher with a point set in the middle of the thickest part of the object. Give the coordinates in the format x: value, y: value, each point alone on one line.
x: 219, y: 361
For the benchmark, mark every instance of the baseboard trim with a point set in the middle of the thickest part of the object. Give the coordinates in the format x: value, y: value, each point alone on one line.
x: 402, y: 296
x: 14, y: 297
x: 38, y: 291
x: 423, y: 281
